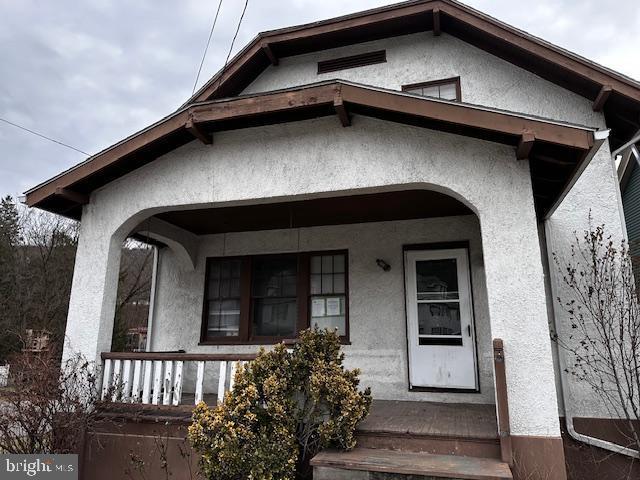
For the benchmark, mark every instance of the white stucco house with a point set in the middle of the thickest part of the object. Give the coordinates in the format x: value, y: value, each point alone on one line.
x: 401, y: 174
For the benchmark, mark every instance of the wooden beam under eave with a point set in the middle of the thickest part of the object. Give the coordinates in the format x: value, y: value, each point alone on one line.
x: 436, y: 22
x: 601, y: 99
x: 341, y: 110
x: 266, y: 48
x: 525, y: 145
x: 198, y: 133
x: 72, y: 196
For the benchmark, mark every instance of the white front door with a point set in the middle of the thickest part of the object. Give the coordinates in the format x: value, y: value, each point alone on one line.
x: 440, y: 319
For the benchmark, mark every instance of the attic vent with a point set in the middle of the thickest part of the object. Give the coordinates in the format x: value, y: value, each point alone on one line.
x: 352, y: 61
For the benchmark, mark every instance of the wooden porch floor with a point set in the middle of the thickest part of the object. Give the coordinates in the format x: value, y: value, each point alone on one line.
x: 431, y: 419
x: 386, y: 417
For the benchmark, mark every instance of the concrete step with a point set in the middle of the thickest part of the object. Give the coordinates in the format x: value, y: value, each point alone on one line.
x: 377, y: 464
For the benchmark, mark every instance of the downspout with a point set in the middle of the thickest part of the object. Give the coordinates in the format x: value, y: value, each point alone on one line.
x: 152, y: 298
x: 564, y: 384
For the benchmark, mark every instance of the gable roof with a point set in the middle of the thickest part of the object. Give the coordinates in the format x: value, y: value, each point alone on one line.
x: 557, y: 151
x: 616, y: 94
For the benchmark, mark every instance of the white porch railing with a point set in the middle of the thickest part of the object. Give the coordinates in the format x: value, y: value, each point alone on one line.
x: 158, y: 378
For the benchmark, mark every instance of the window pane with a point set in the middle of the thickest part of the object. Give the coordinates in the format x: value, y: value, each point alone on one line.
x: 417, y: 91
x: 223, y: 292
x: 316, y: 283
x: 330, y: 323
x: 327, y: 283
x: 448, y: 91
x: 327, y: 264
x: 338, y: 263
x: 439, y: 318
x: 338, y: 283
x: 437, y: 279
x: 274, y: 317
x: 274, y: 276
x: 316, y: 264
x: 431, y: 92
x: 224, y: 318
x: 213, y: 289
x: 329, y: 312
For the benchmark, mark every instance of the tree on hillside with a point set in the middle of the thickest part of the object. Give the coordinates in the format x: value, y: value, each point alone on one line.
x: 37, y: 252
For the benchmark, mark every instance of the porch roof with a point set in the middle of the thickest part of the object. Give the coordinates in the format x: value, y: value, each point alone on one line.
x: 558, y: 151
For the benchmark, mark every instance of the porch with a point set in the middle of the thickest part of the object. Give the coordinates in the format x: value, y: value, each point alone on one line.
x: 379, y: 222
x: 400, y: 439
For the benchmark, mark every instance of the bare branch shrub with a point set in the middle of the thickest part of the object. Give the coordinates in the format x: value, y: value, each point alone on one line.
x: 47, y: 409
x: 604, y: 316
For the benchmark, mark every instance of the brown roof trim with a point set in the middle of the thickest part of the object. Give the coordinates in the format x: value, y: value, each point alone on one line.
x: 326, y: 98
x: 369, y: 24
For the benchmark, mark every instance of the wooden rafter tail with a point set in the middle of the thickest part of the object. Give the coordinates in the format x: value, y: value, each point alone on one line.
x: 72, y: 196
x: 195, y: 130
x: 525, y: 145
x: 437, y: 30
x: 341, y: 110
x: 268, y: 51
x: 601, y: 99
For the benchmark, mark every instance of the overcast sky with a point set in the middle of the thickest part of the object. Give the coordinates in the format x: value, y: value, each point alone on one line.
x: 91, y: 72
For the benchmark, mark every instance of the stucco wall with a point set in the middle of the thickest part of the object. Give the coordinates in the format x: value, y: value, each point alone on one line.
x: 594, y: 194
x: 491, y: 81
x: 485, y: 79
x: 376, y: 298
x: 319, y: 157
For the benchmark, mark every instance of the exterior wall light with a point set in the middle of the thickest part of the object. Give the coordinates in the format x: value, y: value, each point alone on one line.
x: 383, y: 265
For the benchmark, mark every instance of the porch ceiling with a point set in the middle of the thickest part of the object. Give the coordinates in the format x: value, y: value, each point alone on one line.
x: 376, y: 207
x: 558, y: 152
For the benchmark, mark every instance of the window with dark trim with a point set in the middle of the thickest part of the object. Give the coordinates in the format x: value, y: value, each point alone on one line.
x: 268, y: 298
x: 445, y: 89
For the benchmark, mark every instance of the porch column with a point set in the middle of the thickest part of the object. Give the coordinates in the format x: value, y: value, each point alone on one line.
x: 93, y: 290
x: 518, y: 315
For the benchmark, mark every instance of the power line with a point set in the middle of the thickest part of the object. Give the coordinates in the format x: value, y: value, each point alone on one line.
x: 233, y: 41
x: 44, y: 136
x: 206, y: 48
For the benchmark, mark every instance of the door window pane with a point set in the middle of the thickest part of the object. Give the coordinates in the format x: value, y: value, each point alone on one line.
x: 437, y: 279
x: 274, y: 296
x: 223, y: 298
x: 439, y: 318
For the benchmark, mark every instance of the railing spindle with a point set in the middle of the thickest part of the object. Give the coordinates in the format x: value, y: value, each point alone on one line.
x: 222, y: 380
x: 135, y: 387
x: 157, y: 381
x: 115, y: 382
x: 126, y: 381
x: 148, y: 375
x: 106, y: 378
x: 168, y: 384
x: 177, y: 383
x: 199, y: 382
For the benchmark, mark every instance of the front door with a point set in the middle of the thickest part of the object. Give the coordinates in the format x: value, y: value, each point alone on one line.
x: 440, y: 319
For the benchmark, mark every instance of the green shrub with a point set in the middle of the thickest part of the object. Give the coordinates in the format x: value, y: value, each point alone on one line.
x: 285, y: 406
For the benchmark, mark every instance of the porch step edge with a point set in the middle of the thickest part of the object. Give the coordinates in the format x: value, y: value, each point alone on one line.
x: 431, y: 444
x: 416, y: 464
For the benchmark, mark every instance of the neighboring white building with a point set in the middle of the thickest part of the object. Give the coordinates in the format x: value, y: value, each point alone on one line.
x: 456, y: 149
